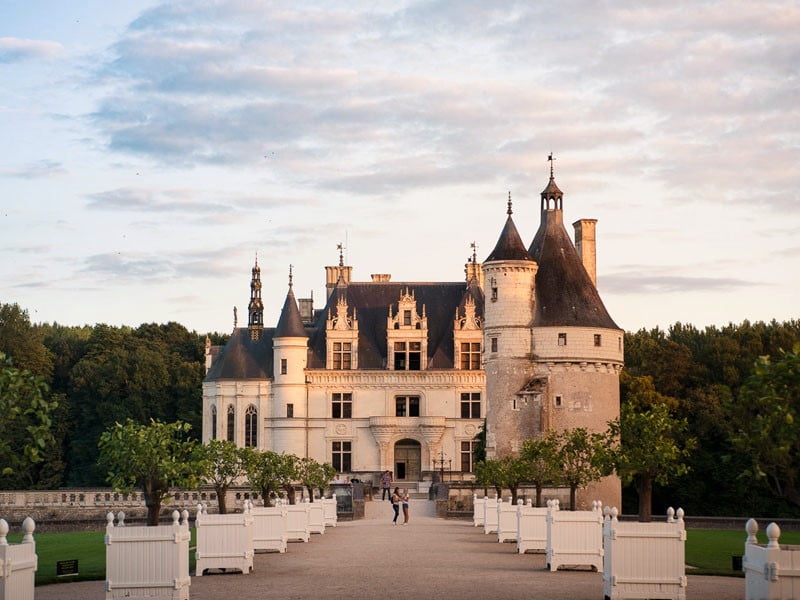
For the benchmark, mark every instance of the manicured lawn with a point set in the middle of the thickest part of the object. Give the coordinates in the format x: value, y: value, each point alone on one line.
x: 86, y: 546
x: 710, y: 550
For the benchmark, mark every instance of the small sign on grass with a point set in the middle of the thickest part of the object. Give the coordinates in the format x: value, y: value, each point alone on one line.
x: 66, y: 567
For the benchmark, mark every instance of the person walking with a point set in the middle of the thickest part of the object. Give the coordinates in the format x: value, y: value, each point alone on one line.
x: 386, y: 484
x: 404, y: 498
x: 395, y: 505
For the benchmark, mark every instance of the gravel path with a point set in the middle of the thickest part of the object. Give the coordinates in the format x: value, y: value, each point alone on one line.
x: 429, y: 558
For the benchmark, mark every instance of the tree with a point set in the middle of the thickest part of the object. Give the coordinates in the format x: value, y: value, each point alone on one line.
x: 583, y: 457
x: 154, y: 457
x: 25, y: 425
x: 487, y: 474
x: 313, y: 474
x: 288, y: 473
x: 222, y: 464
x: 653, y: 444
x: 766, y: 423
x: 507, y: 472
x: 540, y: 455
x: 266, y: 472
x: 23, y: 342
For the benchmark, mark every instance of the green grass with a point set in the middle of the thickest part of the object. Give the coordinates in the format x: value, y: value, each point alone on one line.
x: 710, y: 550
x: 86, y: 546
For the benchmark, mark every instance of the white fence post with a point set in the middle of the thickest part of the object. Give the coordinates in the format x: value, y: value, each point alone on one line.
x: 18, y: 563
x: 490, y: 515
x: 478, y: 511
x: 771, y: 571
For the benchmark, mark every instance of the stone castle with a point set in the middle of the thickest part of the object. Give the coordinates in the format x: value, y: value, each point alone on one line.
x: 400, y: 376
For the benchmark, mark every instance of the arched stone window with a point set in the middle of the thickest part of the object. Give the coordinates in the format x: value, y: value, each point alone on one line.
x: 231, y: 427
x: 213, y: 422
x: 251, y: 427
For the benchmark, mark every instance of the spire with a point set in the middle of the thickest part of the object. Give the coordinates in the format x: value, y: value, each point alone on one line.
x: 551, y: 193
x: 509, y: 212
x: 509, y: 246
x: 290, y: 323
x: 255, y: 310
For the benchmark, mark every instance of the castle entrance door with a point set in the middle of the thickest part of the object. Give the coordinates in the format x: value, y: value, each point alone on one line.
x: 407, y: 460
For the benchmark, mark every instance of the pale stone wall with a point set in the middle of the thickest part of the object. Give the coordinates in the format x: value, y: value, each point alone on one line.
x: 241, y: 394
x: 580, y: 346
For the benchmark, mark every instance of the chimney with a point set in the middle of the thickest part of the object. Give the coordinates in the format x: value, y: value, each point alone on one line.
x: 585, y: 245
x: 332, y: 277
x: 381, y: 277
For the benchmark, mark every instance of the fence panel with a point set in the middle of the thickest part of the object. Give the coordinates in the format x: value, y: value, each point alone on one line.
x: 490, y: 515
x: 297, y: 522
x: 18, y: 563
x: 575, y: 538
x: 772, y: 571
x: 531, y: 528
x: 224, y: 541
x: 316, y: 517
x: 478, y: 511
x: 269, y: 528
x: 506, y: 521
x: 329, y: 512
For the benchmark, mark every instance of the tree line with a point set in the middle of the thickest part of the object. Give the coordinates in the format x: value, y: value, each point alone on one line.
x: 724, y: 401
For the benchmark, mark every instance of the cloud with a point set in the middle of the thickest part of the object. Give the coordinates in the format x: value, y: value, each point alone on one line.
x: 645, y: 282
x: 14, y: 50
x: 36, y: 170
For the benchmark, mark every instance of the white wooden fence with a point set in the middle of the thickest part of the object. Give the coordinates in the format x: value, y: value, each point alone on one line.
x: 316, y: 517
x: 224, y: 541
x: 329, y: 512
x: 575, y: 538
x: 269, y: 528
x: 297, y: 522
x: 531, y: 528
x: 490, y: 515
x: 18, y: 563
x: 148, y: 562
x: 506, y: 521
x: 478, y: 510
x: 772, y: 571
x: 644, y: 560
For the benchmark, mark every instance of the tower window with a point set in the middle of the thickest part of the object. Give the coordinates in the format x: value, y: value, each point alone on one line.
x: 251, y: 427
x: 342, y: 355
x: 470, y: 355
x: 407, y: 356
x: 342, y: 456
x: 597, y: 340
x: 342, y: 406
x: 283, y: 366
x: 620, y: 344
x: 406, y: 406
x: 289, y: 411
x: 213, y: 422
x: 231, y: 425
x: 494, y: 344
x: 562, y: 339
x: 470, y: 405
x: 558, y: 401
x: 494, y: 294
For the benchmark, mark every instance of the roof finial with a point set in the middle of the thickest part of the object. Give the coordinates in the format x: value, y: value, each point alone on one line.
x: 509, y: 211
x: 256, y: 257
x: 290, y: 276
x: 551, y: 159
x: 340, y: 248
x: 474, y: 247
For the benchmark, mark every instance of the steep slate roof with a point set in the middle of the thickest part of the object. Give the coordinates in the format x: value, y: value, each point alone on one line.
x: 565, y: 295
x: 243, y: 358
x: 372, y: 301
x: 509, y: 246
x: 291, y: 323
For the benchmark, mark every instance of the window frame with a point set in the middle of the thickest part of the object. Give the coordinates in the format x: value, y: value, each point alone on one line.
x: 470, y: 403
x: 284, y: 366
x: 410, y: 404
x: 344, y: 404
x: 342, y: 356
x: 472, y: 356
x: 290, y: 410
x: 562, y: 338
x: 342, y: 455
x: 230, y: 425
x: 469, y: 452
x: 251, y: 427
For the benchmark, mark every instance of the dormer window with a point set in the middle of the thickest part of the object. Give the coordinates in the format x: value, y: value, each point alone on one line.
x: 341, y: 333
x: 407, y: 318
x: 407, y: 356
x: 407, y: 335
x: 342, y: 355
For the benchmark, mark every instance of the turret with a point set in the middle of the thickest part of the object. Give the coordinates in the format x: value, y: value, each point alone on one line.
x: 255, y: 310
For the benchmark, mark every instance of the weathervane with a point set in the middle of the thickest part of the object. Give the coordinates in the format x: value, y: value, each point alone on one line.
x: 551, y: 159
x: 340, y: 248
x: 509, y: 211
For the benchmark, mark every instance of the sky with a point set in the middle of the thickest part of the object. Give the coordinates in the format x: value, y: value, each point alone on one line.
x: 151, y: 149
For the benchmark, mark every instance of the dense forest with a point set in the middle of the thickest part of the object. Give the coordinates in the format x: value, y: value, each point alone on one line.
x: 101, y: 374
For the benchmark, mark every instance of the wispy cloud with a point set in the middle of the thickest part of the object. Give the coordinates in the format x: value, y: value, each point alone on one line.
x: 18, y: 49
x: 36, y: 170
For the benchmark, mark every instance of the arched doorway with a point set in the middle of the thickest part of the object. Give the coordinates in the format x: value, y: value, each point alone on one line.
x: 407, y: 460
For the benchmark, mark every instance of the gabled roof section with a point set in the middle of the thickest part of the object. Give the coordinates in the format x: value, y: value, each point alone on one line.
x: 243, y: 357
x: 509, y: 246
x: 290, y: 323
x: 565, y: 295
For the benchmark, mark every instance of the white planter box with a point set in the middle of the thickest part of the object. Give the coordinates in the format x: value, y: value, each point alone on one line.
x: 224, y: 541
x: 269, y: 528
x: 644, y: 560
x: 18, y: 563
x: 772, y: 571
x: 531, y: 528
x: 478, y: 508
x: 575, y: 538
x: 329, y: 512
x: 297, y: 522
x: 148, y: 562
x: 506, y: 521
x: 490, y: 515
x: 316, y: 517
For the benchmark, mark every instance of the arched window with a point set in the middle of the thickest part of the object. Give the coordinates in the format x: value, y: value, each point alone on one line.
x: 213, y: 422
x: 231, y: 429
x: 251, y: 427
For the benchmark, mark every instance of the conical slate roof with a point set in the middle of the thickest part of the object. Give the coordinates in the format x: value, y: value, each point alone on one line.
x: 290, y: 324
x: 509, y: 245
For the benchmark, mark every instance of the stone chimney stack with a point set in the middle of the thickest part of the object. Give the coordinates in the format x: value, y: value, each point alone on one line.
x: 585, y: 245
x: 332, y: 275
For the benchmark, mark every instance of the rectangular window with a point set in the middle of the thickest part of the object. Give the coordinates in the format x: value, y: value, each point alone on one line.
x: 494, y: 294
x: 407, y: 356
x: 290, y: 411
x: 470, y: 405
x: 414, y: 356
x: 342, y: 355
x: 406, y: 406
x: 494, y: 344
x: 562, y: 339
x: 467, y: 454
x: 597, y: 340
x: 471, y: 356
x: 342, y: 406
x: 407, y: 318
x: 400, y: 356
x: 558, y: 401
x: 283, y: 366
x: 342, y: 456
